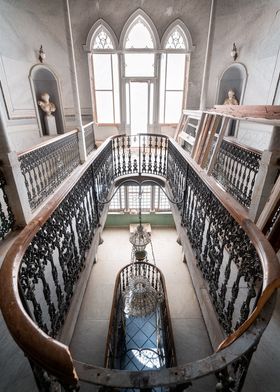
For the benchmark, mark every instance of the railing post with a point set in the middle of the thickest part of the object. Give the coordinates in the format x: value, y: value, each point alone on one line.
x: 82, y: 145
x: 269, y: 167
x: 15, y: 188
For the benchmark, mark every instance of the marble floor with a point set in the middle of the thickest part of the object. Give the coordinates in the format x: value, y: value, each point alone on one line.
x: 190, y: 335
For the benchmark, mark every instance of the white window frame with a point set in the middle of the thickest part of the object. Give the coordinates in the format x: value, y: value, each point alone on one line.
x: 120, y: 50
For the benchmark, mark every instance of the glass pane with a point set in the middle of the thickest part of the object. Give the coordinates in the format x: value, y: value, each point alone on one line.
x: 139, y: 107
x: 175, y: 40
x: 104, y: 106
x: 162, y: 88
x: 175, y: 71
x: 102, y: 71
x: 139, y: 64
x: 151, y: 118
x: 139, y: 36
x: 102, y: 41
x: 127, y: 99
x: 116, y: 87
x: 173, y: 107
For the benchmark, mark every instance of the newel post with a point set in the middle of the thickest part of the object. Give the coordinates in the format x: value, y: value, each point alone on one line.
x: 269, y: 167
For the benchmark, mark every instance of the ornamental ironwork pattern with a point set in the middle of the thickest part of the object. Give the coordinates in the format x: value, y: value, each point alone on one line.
x: 56, y: 256
x: 7, y: 219
x: 89, y: 138
x: 103, y: 175
x: 141, y: 154
x: 227, y: 259
x: 236, y: 169
x: 46, y: 167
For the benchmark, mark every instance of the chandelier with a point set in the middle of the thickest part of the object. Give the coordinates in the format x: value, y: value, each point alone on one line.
x: 140, y: 297
x: 143, y: 292
x: 140, y: 238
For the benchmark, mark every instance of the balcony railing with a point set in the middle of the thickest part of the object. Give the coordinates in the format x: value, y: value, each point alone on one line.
x: 46, y: 166
x: 236, y: 168
x: 41, y: 270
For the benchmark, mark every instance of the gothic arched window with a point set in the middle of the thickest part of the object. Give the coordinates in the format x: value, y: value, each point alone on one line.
x: 176, y: 43
x: 105, y: 74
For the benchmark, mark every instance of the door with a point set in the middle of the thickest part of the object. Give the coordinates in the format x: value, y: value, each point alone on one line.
x: 139, y: 105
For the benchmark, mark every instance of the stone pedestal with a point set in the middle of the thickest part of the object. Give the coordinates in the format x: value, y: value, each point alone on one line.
x: 50, y: 125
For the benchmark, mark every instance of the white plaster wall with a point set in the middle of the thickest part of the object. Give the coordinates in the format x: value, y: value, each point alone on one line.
x: 254, y: 25
x: 24, y: 26
x: 195, y: 14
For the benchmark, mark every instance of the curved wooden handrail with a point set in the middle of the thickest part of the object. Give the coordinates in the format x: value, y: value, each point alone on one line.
x: 268, y: 258
x: 244, y: 147
x: 56, y: 358
x: 52, y: 355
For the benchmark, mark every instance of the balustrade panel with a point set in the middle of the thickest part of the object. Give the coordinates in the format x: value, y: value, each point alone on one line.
x: 141, y: 154
x: 56, y: 256
x: 235, y: 169
x: 45, y: 167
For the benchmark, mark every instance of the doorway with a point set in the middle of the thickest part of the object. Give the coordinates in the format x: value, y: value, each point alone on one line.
x: 140, y: 111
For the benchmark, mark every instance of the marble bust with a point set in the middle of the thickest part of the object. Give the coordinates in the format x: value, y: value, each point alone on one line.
x: 45, y: 104
x: 231, y: 100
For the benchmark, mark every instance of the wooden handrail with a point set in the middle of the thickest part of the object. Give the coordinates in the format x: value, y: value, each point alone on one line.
x: 268, y: 258
x: 56, y: 358
x: 237, y: 143
x: 46, y: 143
x: 52, y: 355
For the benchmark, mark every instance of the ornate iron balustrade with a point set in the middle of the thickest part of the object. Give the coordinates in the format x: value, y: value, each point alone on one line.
x: 89, y: 137
x: 46, y: 166
x: 237, y: 262
x: 6, y: 215
x: 236, y: 168
x: 141, y: 154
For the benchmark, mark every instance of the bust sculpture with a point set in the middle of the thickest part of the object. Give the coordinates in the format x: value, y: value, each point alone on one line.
x: 45, y: 104
x: 231, y: 100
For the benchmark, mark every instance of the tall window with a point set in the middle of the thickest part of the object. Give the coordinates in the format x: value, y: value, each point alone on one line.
x: 105, y: 75
x: 139, y: 72
x: 173, y: 76
x: 139, y: 82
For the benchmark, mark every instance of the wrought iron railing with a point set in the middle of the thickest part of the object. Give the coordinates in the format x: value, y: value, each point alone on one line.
x: 40, y: 271
x: 236, y: 168
x: 89, y: 137
x: 46, y: 166
x: 6, y: 215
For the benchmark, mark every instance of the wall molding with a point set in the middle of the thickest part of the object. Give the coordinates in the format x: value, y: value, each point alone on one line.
x: 13, y: 113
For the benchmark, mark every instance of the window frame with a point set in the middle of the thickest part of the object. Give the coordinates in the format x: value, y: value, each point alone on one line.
x: 120, y: 50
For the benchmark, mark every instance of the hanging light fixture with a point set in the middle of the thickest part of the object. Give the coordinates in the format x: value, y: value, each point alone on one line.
x: 140, y: 297
x: 140, y: 238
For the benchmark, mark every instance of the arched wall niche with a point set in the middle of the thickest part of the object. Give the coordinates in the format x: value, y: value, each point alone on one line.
x: 234, y: 77
x: 44, y: 80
